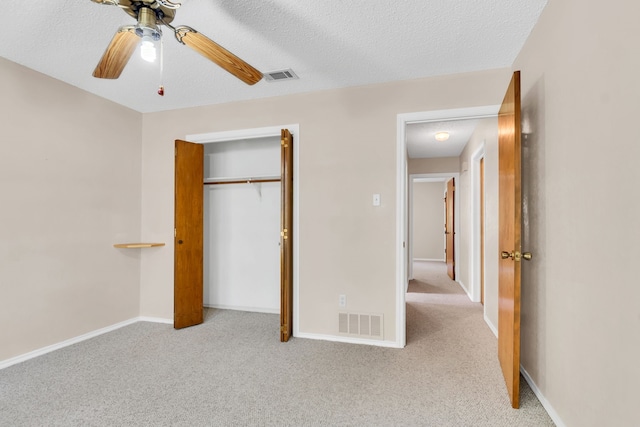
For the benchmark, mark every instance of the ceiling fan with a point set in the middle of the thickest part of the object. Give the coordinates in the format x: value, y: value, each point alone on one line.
x: 151, y: 14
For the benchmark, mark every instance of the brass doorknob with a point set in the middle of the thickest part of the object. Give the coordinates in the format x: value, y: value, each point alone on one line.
x: 505, y: 255
x: 516, y: 256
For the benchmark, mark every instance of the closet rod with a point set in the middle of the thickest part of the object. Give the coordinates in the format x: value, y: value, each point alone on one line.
x: 246, y: 181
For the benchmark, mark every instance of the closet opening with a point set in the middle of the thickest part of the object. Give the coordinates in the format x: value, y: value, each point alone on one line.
x: 236, y: 194
x: 241, y: 221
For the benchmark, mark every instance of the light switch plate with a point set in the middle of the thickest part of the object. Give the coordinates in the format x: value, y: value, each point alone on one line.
x: 376, y: 200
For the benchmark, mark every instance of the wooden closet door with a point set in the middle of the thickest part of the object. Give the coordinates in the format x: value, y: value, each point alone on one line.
x: 286, y: 237
x: 188, y: 243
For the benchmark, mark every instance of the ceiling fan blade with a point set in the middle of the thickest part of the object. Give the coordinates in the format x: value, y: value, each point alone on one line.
x: 216, y: 53
x: 117, y: 55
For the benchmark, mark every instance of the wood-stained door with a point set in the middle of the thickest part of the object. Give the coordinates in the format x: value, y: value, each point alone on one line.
x: 509, y: 221
x: 188, y: 242
x: 286, y: 238
x: 449, y: 228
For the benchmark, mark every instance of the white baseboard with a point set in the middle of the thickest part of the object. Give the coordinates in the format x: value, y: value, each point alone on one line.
x: 545, y: 403
x: 464, y: 288
x: 48, y: 349
x: 491, y: 326
x: 348, y: 340
x: 429, y: 259
x: 155, y: 320
x: 250, y: 309
x: 44, y: 350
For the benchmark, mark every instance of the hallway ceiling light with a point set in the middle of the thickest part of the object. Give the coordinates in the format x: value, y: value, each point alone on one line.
x: 442, y: 136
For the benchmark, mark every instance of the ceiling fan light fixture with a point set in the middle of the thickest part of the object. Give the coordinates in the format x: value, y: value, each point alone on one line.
x: 149, y: 32
x: 148, y: 49
x: 442, y: 136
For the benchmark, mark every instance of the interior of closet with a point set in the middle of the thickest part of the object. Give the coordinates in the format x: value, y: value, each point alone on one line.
x: 242, y: 208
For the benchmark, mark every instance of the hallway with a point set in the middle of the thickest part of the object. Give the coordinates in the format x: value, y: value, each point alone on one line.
x: 453, y: 336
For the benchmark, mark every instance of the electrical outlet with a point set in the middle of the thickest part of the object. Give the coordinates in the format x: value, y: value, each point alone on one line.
x: 342, y: 300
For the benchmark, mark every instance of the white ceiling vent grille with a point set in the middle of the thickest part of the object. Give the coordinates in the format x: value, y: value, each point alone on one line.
x: 361, y: 325
x: 280, y: 75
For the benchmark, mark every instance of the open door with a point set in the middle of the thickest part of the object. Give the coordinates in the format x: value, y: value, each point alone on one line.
x: 509, y: 220
x: 449, y: 228
x: 188, y: 248
x: 286, y: 238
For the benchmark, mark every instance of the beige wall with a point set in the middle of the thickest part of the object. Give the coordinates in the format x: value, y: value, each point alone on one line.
x: 69, y: 177
x: 434, y: 165
x: 70, y: 186
x: 485, y: 135
x: 70, y: 181
x: 347, y: 152
x: 428, y: 220
x: 580, y: 294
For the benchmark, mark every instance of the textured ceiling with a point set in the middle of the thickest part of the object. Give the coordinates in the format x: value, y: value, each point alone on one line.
x: 421, y: 141
x: 328, y: 44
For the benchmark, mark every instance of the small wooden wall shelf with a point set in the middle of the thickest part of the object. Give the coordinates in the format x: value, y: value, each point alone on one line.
x: 136, y: 245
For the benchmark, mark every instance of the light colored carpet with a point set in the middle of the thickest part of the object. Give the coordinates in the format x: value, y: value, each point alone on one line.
x: 232, y: 371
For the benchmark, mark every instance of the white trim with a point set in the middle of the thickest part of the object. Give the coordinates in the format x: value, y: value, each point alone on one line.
x: 475, y: 250
x: 244, y: 308
x: 410, y: 245
x: 240, y: 134
x: 401, y: 234
x: 429, y: 259
x: 452, y: 114
x: 401, y: 197
x: 493, y: 328
x: 545, y: 403
x: 438, y: 177
x: 348, y: 340
x: 155, y: 320
x: 71, y: 341
x: 464, y: 288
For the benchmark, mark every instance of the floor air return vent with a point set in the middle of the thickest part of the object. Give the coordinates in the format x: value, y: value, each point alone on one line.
x: 360, y: 325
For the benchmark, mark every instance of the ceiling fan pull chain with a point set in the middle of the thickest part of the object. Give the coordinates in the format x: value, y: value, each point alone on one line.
x: 161, y: 88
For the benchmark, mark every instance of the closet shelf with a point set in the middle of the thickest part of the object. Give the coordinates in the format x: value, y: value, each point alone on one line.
x: 136, y: 245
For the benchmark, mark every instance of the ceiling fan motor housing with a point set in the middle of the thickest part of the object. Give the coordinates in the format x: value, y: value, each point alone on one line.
x: 163, y: 11
x: 147, y: 24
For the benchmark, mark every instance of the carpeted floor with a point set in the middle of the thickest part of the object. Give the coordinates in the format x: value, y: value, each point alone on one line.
x: 233, y: 371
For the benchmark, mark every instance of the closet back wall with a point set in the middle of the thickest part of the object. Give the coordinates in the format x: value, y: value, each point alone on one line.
x: 242, y: 226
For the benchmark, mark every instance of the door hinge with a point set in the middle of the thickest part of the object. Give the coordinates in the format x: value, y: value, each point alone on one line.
x: 175, y: 232
x: 283, y: 234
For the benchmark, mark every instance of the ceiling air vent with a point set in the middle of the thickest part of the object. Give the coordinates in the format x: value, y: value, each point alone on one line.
x: 276, y: 76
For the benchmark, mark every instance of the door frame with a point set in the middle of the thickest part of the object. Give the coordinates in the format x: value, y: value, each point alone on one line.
x: 434, y: 177
x: 270, y: 131
x: 402, y: 179
x: 476, y: 239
